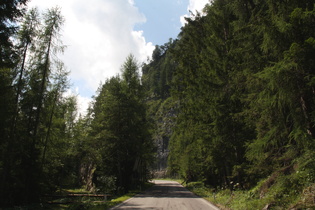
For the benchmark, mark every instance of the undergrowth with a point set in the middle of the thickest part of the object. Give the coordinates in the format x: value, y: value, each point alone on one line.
x: 291, y: 187
x: 84, y: 202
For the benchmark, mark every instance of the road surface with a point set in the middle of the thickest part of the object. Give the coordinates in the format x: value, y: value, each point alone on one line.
x: 166, y: 195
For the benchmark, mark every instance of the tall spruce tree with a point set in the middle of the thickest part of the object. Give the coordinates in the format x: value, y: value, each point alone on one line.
x: 120, y: 130
x: 206, y: 124
x: 31, y: 110
x: 11, y: 139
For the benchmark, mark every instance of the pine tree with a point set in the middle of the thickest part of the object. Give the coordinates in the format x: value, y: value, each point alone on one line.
x: 10, y: 12
x: 209, y: 85
x: 119, y: 128
x: 12, y: 139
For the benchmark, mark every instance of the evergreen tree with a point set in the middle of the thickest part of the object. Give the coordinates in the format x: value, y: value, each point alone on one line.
x: 10, y: 12
x: 34, y: 100
x: 157, y: 75
x: 11, y: 139
x: 285, y: 126
x: 119, y: 129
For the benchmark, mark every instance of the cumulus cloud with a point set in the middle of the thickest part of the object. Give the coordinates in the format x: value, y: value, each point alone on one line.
x: 194, y: 5
x: 82, y: 102
x: 99, y: 36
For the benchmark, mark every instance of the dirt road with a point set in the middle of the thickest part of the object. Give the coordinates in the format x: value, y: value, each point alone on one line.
x: 166, y: 195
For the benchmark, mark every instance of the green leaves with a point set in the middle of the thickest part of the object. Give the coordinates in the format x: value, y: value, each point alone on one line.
x: 36, y: 155
x: 120, y: 130
x: 245, y: 84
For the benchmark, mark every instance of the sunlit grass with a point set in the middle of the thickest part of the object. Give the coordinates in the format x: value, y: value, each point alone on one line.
x: 90, y: 203
x: 278, y: 196
x: 77, y: 191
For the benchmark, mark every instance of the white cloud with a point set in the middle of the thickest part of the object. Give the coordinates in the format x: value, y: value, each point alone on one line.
x: 82, y: 102
x: 99, y: 35
x: 194, y: 5
x: 197, y: 5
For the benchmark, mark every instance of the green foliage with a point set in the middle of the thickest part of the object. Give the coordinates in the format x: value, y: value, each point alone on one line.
x: 157, y: 75
x: 244, y: 82
x: 230, y: 102
x: 210, y: 128
x: 10, y: 12
x: 35, y: 144
x: 120, y: 130
x: 157, y: 80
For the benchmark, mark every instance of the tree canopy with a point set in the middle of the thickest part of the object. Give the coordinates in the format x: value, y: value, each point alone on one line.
x: 229, y: 103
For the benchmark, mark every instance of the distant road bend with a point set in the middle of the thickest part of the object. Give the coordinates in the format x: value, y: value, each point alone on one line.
x: 166, y: 195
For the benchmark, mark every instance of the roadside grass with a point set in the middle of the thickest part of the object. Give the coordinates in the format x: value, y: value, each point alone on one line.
x: 226, y: 199
x: 102, y: 205
x: 83, y: 202
x: 278, y: 191
x: 283, y: 194
x: 289, y: 187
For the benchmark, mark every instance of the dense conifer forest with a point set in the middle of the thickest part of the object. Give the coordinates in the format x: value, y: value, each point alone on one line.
x: 229, y: 104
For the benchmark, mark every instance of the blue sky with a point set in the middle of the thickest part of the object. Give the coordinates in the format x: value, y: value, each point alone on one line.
x: 162, y: 19
x: 100, y: 34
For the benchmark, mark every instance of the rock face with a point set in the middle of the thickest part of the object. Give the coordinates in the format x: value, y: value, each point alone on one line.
x: 164, y: 123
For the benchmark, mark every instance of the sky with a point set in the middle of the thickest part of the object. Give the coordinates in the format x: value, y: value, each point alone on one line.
x: 100, y: 34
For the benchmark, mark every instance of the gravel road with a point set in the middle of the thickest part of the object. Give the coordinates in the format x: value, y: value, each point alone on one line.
x: 167, y: 195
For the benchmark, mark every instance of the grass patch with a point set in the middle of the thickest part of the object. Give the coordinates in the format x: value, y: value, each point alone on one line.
x: 286, y: 192
x: 97, y: 205
x: 226, y: 199
x: 101, y: 205
x: 84, y: 202
x: 76, y: 191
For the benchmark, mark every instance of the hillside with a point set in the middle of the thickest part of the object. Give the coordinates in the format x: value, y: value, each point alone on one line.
x: 242, y: 87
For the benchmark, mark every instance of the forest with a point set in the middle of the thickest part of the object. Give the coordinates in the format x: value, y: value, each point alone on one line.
x: 229, y: 104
